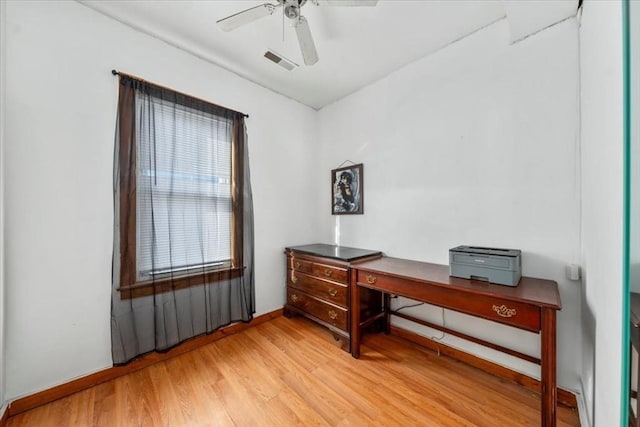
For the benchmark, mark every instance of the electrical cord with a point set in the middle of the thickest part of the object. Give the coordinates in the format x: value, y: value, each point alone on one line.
x: 406, y: 306
x: 433, y: 337
x: 438, y: 339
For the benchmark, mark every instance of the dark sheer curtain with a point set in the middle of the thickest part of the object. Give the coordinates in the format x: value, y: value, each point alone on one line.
x: 183, y: 226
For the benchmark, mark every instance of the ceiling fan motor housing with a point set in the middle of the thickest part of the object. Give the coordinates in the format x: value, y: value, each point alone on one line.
x: 292, y: 8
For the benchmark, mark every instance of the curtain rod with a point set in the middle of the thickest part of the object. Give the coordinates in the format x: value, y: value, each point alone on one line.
x: 118, y: 73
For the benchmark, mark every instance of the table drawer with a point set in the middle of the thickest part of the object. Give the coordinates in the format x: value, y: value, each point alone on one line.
x: 513, y: 313
x: 326, y: 312
x: 323, y: 289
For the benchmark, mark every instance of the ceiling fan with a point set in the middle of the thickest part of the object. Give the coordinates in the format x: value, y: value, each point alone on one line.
x: 291, y: 9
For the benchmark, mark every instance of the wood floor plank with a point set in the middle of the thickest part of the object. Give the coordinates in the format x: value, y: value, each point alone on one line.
x: 249, y: 367
x: 291, y: 372
x: 298, y: 414
x: 207, y: 375
x: 466, y: 386
x: 332, y: 407
x: 163, y: 389
x: 81, y: 407
x: 466, y: 400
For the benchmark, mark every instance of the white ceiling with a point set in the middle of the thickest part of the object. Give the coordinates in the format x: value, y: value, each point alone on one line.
x: 356, y: 45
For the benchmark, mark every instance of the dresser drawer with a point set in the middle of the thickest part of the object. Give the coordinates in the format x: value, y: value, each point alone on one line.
x: 323, y: 289
x: 326, y: 312
x: 500, y: 310
x: 330, y: 272
x: 300, y: 264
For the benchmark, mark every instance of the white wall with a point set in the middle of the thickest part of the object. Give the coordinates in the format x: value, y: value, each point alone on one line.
x: 476, y: 144
x: 2, y: 122
x: 602, y: 207
x: 60, y: 122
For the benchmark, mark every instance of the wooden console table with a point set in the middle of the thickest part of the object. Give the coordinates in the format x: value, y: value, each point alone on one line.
x: 531, y: 306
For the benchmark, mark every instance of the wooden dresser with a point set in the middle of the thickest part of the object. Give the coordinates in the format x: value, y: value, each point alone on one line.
x: 318, y: 280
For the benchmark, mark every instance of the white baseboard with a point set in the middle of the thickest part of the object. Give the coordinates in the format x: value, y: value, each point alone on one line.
x: 4, y: 411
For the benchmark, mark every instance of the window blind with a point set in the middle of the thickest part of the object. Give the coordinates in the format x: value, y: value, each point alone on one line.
x: 184, y: 203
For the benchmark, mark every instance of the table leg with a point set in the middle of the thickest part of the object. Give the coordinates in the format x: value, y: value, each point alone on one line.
x: 387, y: 313
x: 548, y: 368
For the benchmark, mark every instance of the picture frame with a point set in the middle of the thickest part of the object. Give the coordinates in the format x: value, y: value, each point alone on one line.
x: 347, y: 190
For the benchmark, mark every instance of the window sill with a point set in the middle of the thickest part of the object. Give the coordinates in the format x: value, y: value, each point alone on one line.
x: 143, y: 289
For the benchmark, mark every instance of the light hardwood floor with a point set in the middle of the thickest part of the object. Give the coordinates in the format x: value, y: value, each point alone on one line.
x: 289, y: 372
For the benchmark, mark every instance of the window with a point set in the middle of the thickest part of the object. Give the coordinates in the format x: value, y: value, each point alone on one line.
x: 183, y: 220
x: 183, y: 216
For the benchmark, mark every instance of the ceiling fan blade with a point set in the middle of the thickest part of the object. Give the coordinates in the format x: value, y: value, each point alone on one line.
x: 308, y: 48
x: 350, y: 2
x: 241, y: 18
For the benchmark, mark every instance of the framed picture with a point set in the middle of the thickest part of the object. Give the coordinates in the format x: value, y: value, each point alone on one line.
x: 347, y: 187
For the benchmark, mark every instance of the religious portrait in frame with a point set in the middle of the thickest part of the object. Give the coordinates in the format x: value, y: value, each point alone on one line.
x: 347, y: 187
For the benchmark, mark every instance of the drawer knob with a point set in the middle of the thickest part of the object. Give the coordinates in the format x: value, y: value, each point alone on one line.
x: 294, y: 279
x: 333, y: 292
x: 333, y: 315
x: 297, y: 264
x: 371, y: 279
x: 504, y: 311
x: 294, y: 298
x: 328, y: 272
